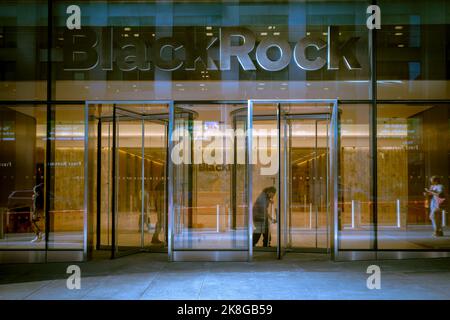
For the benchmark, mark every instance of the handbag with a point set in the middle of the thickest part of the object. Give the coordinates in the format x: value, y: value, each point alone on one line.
x: 440, y: 201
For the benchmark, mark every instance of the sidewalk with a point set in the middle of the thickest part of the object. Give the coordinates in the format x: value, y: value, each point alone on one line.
x: 297, y: 276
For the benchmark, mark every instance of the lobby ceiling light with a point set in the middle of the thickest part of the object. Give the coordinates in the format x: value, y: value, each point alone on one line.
x: 401, y: 46
x: 398, y: 27
x: 269, y: 27
x: 325, y: 33
x: 399, y: 33
x: 209, y: 34
x: 208, y: 28
x: 308, y: 33
x: 276, y: 33
x: 127, y: 29
x: 126, y: 35
x: 136, y: 35
x: 264, y: 33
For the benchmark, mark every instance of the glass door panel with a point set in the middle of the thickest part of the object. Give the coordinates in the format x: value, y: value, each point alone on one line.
x: 129, y: 163
x: 308, y: 181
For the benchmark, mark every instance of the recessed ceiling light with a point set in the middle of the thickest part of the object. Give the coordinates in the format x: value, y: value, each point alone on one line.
x: 398, y: 27
x: 209, y: 34
x: 276, y: 33
x: 208, y: 28
x: 264, y: 33
x: 127, y: 29
x: 401, y: 45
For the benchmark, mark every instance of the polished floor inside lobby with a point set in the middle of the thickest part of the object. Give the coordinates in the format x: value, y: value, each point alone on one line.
x: 298, y: 276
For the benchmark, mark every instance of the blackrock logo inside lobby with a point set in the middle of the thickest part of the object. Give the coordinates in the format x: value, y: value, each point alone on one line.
x: 214, y: 131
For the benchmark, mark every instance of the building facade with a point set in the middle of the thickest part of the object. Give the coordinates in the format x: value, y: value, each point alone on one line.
x: 160, y: 126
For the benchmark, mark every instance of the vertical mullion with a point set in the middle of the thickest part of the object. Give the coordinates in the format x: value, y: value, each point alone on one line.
x: 113, y: 186
x: 373, y: 134
x: 48, y: 151
x: 143, y: 183
x: 99, y: 178
x: 315, y: 183
x: 170, y: 181
x: 279, y: 182
x: 250, y: 177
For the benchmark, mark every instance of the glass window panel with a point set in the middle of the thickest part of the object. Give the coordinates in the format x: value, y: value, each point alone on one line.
x: 22, y: 176
x: 23, y: 42
x: 67, y: 205
x: 413, y: 146
x: 356, y: 223
x: 413, y: 50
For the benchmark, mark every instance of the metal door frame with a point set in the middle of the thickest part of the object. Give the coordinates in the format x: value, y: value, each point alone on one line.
x: 333, y: 166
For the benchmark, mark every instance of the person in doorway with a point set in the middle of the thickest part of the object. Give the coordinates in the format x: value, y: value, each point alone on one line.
x: 36, y: 211
x: 262, y: 216
x: 437, y: 195
x: 160, y: 202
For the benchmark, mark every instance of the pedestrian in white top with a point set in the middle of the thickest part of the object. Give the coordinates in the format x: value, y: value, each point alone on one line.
x: 436, y: 192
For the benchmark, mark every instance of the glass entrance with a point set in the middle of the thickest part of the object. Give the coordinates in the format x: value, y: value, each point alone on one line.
x: 212, y: 180
x: 307, y: 158
x: 130, y: 175
x: 294, y: 146
x: 210, y: 213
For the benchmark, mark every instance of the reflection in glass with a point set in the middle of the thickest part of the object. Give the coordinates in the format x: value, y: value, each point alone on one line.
x: 355, y: 223
x: 67, y: 171
x: 22, y: 177
x: 413, y: 146
x: 140, y: 201
x: 209, y: 212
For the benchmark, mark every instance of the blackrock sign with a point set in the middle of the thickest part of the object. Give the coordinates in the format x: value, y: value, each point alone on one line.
x: 87, y: 49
